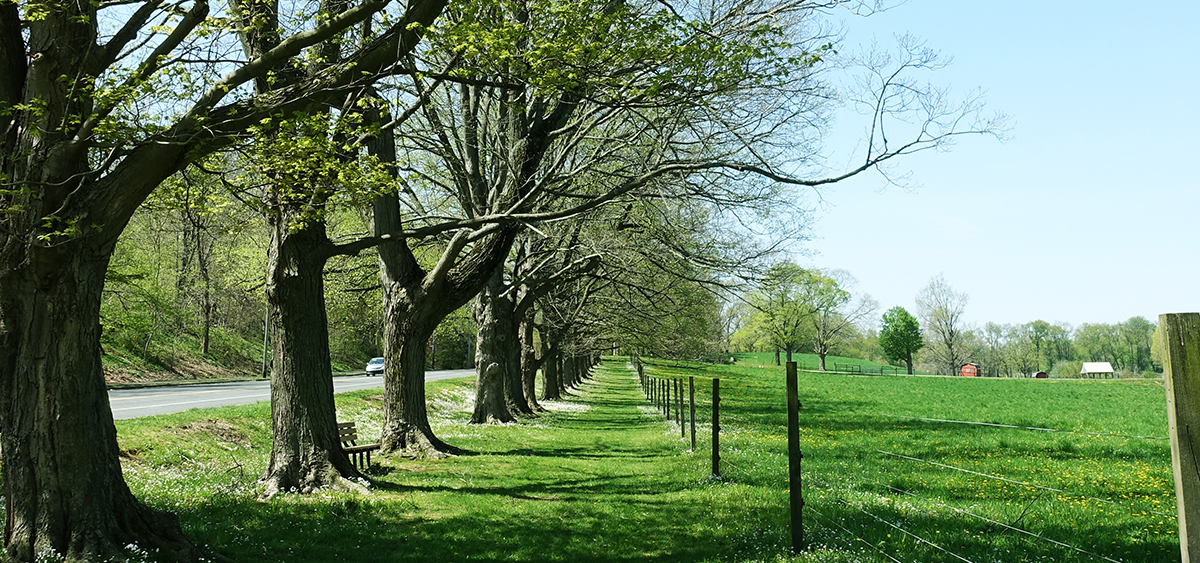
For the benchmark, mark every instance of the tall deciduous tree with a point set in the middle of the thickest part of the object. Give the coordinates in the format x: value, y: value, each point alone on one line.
x: 77, y: 157
x: 780, y: 310
x: 941, y: 311
x: 833, y: 312
x: 900, y: 336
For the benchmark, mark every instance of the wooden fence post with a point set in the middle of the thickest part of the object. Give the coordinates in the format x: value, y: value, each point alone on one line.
x: 680, y: 415
x: 716, y: 428
x: 667, y: 398
x: 692, y: 401
x: 1181, y: 334
x: 794, y: 457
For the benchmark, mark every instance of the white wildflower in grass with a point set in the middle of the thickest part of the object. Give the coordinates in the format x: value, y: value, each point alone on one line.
x: 649, y: 411
x: 565, y: 406
x: 48, y: 556
x: 456, y: 399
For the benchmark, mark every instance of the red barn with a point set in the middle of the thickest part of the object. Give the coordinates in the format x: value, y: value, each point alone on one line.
x: 969, y: 370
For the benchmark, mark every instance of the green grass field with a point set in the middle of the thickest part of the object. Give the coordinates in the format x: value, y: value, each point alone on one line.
x: 812, y: 363
x: 602, y: 477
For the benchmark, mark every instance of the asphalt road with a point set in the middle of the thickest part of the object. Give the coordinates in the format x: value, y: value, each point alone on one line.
x: 147, y: 401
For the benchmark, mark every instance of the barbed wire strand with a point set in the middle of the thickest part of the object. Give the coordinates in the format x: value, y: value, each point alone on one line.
x: 850, y: 545
x: 1001, y: 524
x: 1014, y: 481
x: 1019, y: 427
x: 910, y: 534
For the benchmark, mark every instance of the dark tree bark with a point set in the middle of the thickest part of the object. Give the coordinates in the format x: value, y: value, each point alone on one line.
x: 406, y: 330
x: 569, y: 373
x: 532, y: 356
x: 63, y: 487
x: 64, y: 491
x: 416, y: 302
x: 62, y: 478
x: 551, y: 382
x: 514, y: 391
x: 493, y: 359
x: 306, y: 453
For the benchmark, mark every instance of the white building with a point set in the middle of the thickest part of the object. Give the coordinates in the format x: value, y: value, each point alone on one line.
x: 1096, y: 369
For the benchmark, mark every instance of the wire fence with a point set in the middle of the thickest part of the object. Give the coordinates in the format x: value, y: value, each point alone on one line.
x: 822, y: 520
x: 1023, y: 483
x: 907, y: 533
x: 1001, y: 524
x: 1019, y: 427
x: 852, y: 539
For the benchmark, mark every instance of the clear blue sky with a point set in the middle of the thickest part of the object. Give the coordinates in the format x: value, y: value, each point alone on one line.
x: 1088, y: 213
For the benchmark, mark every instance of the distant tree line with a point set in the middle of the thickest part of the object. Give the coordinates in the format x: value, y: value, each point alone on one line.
x: 786, y: 310
x: 1014, y: 350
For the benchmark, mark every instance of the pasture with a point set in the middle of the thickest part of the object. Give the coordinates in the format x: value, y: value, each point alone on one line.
x: 891, y: 464
x: 602, y: 477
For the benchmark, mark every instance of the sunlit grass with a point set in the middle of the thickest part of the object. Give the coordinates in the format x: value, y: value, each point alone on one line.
x: 1115, y: 498
x: 811, y: 362
x: 601, y: 477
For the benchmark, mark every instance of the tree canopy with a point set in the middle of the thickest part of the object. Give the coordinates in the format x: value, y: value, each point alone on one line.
x: 900, y: 336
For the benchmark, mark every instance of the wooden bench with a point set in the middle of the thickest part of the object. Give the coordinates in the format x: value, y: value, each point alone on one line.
x: 359, y: 454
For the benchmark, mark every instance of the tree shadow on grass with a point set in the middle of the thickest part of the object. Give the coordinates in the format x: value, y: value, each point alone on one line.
x: 535, y: 522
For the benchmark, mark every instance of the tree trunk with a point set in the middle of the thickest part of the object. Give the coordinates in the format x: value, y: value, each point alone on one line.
x: 415, y: 301
x: 568, y: 374
x: 789, y: 356
x: 551, y: 386
x: 406, y: 330
x: 514, y: 392
x: 493, y: 316
x: 777, y: 357
x: 306, y: 453
x: 63, y: 488
x: 822, y: 358
x: 564, y: 375
x: 908, y: 360
x: 529, y: 361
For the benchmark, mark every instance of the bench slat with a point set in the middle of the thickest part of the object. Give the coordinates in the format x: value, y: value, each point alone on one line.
x: 348, y: 434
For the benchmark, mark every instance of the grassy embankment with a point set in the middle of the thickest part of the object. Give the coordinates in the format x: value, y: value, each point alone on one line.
x: 601, y: 477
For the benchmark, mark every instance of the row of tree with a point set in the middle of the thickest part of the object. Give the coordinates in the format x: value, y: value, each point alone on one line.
x: 568, y: 169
